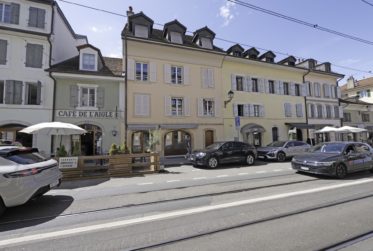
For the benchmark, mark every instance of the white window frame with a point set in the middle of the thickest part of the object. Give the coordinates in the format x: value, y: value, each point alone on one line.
x: 328, y: 110
x: 206, y: 43
x: 25, y: 84
x: 178, y: 78
x: 175, y: 37
x: 142, y: 76
x: 179, y: 110
x: 2, y: 20
x: 94, y: 61
x: 208, y: 105
x: 80, y: 88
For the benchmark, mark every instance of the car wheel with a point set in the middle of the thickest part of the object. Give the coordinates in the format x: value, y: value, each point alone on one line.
x: 250, y: 159
x: 2, y: 207
x: 340, y: 171
x: 212, y: 162
x: 281, y: 156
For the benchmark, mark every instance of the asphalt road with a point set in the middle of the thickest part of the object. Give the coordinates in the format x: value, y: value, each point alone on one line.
x: 262, y: 207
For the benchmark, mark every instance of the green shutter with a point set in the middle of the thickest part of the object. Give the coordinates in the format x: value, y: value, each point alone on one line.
x: 14, y: 16
x: 3, y: 51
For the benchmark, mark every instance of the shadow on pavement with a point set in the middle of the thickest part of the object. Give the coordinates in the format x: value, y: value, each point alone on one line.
x: 34, y: 212
x: 71, y: 184
x: 351, y: 176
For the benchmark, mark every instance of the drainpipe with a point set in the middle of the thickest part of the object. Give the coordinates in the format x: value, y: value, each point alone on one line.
x: 339, y: 101
x: 125, y: 88
x: 305, y: 102
x: 50, y: 73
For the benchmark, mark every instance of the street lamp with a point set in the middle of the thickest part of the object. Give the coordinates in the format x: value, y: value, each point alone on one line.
x: 230, y: 97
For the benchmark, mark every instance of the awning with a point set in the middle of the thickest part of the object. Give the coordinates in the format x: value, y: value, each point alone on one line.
x: 250, y: 128
x: 179, y: 126
x: 307, y: 126
x: 142, y: 127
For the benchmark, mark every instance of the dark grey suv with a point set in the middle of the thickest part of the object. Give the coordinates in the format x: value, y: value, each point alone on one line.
x: 224, y: 152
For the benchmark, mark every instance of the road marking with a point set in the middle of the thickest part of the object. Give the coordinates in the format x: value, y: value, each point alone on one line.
x: 196, y: 170
x: 145, y: 183
x: 200, y: 178
x: 243, y: 174
x: 222, y: 176
x: 261, y: 172
x: 172, y: 214
x: 170, y: 181
x: 277, y: 170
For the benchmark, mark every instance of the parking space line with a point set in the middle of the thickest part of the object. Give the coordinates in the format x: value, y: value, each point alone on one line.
x: 222, y: 176
x: 145, y: 183
x: 170, y: 181
x: 199, y: 178
x: 243, y: 174
x: 261, y: 172
x: 277, y: 170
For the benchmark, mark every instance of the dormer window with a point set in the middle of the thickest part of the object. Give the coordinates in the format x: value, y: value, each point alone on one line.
x: 141, y: 31
x: 237, y: 54
x: 175, y: 37
x: 88, y: 62
x: 205, y: 43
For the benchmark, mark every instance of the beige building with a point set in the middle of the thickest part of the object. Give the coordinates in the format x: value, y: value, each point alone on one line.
x: 322, y: 97
x: 268, y: 97
x: 361, y: 89
x: 173, y: 87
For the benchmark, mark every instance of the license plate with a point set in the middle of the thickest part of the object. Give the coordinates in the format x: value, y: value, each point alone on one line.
x: 261, y: 157
x: 304, y: 168
x: 54, y: 184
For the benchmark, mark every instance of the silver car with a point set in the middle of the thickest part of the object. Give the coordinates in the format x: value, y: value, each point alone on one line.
x: 282, y: 150
x: 25, y: 174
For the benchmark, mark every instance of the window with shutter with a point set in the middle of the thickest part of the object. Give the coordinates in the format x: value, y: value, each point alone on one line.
x: 89, y: 62
x: 34, y: 55
x: 177, y: 106
x: 3, y: 51
x: 5, y: 12
x: 271, y: 86
x: 142, y: 105
x: 141, y: 71
x: 88, y: 96
x: 2, y: 91
x: 176, y: 75
x: 141, y: 31
x: 256, y: 110
x: 206, y: 43
x: 336, y: 112
x: 208, y: 107
x: 175, y: 37
x: 14, y: 13
x: 32, y: 96
x: 100, y: 97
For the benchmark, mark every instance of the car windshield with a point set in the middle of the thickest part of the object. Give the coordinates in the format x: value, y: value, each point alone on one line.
x: 328, y: 148
x: 215, y: 146
x: 277, y: 144
x: 26, y: 158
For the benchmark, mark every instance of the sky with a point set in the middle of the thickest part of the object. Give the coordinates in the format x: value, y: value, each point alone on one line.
x: 248, y: 27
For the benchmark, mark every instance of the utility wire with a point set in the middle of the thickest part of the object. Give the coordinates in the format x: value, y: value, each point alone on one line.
x: 367, y: 2
x: 295, y: 20
x: 217, y: 38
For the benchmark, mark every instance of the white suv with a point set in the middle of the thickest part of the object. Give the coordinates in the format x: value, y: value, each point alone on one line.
x: 25, y: 174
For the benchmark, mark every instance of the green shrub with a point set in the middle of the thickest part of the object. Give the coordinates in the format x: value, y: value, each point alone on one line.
x: 61, y: 151
x: 113, y: 149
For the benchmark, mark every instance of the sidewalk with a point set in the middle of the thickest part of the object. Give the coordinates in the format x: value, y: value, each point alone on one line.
x: 172, y: 161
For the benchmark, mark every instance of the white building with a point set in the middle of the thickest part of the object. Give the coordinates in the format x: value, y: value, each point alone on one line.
x: 33, y: 35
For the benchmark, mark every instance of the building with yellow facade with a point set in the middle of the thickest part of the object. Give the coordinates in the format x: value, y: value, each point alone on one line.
x: 173, y: 87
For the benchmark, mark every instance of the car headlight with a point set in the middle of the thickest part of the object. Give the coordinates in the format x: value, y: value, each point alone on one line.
x: 326, y: 163
x: 201, y: 155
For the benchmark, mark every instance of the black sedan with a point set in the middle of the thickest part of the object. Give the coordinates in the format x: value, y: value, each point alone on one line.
x: 224, y: 152
x: 335, y: 159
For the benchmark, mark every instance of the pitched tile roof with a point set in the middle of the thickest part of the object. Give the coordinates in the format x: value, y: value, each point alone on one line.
x: 111, y: 68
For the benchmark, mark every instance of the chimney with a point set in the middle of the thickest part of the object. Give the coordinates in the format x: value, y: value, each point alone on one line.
x: 129, y: 12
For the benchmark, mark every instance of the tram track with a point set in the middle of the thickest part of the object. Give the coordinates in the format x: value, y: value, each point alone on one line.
x: 334, y: 247
x: 134, y: 205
